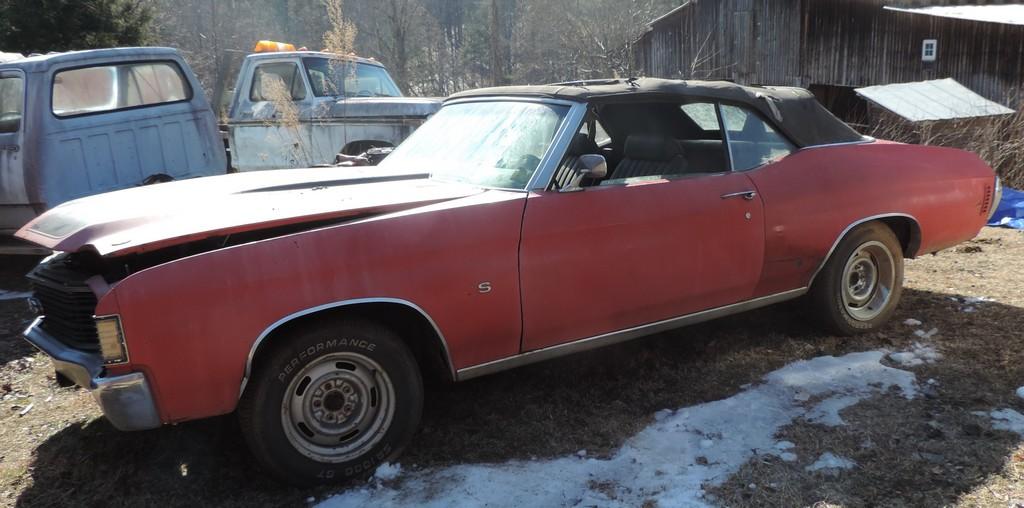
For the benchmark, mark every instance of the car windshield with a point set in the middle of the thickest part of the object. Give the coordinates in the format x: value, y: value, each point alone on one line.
x: 332, y: 78
x: 491, y: 144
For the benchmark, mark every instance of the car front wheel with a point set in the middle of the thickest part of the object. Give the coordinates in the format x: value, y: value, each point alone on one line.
x: 859, y: 287
x: 330, y: 403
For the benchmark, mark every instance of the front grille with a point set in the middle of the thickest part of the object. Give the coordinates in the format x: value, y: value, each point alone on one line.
x: 67, y: 303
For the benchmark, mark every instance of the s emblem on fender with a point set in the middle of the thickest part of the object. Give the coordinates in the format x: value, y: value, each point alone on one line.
x: 484, y: 287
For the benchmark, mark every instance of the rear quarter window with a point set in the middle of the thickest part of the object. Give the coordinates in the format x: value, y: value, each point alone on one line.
x: 105, y: 88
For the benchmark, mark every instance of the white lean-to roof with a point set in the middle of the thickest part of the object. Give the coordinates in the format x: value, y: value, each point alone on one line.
x: 940, y: 99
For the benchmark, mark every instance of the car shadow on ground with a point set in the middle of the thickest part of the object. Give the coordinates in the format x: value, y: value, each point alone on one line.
x: 15, y: 314
x: 596, y: 400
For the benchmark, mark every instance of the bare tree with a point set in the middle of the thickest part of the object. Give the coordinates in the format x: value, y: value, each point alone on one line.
x: 429, y: 46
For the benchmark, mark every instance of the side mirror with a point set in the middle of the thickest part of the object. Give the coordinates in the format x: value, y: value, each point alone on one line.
x: 593, y: 166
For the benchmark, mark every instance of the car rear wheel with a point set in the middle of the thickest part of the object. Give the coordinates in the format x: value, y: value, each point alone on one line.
x: 860, y: 285
x: 330, y: 403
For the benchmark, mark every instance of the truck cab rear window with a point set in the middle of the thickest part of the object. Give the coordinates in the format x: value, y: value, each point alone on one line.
x: 112, y: 87
x: 12, y: 98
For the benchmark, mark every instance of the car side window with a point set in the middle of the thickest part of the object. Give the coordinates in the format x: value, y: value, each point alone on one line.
x: 753, y: 141
x: 600, y: 136
x: 277, y: 81
x: 703, y: 114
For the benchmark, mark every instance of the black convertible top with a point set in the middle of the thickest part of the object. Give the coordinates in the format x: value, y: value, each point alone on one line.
x: 795, y: 110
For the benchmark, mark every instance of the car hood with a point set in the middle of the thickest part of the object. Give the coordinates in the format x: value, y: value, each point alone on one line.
x: 157, y: 216
x: 405, y: 107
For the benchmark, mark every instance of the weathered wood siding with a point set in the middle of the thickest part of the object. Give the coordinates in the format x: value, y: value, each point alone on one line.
x: 858, y: 43
x: 747, y: 41
x: 831, y: 42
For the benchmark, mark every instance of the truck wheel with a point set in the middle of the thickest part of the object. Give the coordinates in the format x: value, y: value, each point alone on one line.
x: 861, y: 283
x: 329, y: 404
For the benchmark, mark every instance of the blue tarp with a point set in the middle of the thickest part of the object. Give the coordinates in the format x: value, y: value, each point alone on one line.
x: 1010, y: 212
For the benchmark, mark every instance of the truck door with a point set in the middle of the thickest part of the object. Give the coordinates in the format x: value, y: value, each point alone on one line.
x: 12, y: 177
x: 269, y: 128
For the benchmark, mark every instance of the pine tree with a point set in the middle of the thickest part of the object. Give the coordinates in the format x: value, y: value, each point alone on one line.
x: 39, y: 26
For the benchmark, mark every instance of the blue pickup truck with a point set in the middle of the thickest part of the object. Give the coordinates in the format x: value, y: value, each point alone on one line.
x: 80, y: 123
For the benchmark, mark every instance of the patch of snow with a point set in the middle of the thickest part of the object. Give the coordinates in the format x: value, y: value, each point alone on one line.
x: 661, y: 415
x: 926, y: 335
x: 1020, y: 392
x: 1005, y: 419
x: 912, y: 322
x: 13, y: 295
x: 829, y: 460
x: 827, y: 411
x: 659, y: 463
x: 919, y: 354
x: 387, y: 471
x: 581, y: 454
x: 970, y: 304
x: 784, y: 445
x: 788, y: 456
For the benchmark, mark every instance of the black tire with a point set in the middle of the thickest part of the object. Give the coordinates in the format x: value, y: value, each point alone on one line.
x: 832, y: 295
x: 367, y: 358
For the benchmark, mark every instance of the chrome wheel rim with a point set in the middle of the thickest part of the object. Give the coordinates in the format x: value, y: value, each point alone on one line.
x: 338, y: 407
x: 868, y: 281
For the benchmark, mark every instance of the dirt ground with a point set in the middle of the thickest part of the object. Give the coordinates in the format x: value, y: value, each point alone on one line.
x: 55, y: 449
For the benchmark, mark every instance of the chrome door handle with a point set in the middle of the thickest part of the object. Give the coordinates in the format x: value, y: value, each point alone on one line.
x: 747, y: 195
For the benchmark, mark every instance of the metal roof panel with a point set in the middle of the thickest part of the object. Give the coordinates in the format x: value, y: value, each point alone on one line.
x: 1012, y: 14
x: 940, y: 99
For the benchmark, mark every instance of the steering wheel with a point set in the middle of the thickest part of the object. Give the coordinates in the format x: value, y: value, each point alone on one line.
x: 364, y: 93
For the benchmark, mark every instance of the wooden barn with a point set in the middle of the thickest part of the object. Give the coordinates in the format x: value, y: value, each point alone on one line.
x: 835, y: 46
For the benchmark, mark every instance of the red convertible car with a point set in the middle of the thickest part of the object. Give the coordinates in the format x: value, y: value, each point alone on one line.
x: 517, y: 225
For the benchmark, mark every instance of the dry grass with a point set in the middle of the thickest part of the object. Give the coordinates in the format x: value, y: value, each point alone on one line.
x: 341, y: 37
x: 286, y: 123
x: 287, y: 131
x: 928, y: 452
x: 998, y: 140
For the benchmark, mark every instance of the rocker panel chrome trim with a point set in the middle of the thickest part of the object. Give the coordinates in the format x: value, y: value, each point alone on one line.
x: 334, y: 305
x: 623, y: 335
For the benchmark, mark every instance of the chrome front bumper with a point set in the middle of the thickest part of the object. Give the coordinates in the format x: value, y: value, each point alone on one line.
x: 125, y: 400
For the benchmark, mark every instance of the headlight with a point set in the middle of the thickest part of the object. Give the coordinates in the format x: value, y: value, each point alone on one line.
x: 111, y: 339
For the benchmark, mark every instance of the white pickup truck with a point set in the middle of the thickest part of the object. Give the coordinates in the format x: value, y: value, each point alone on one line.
x: 297, y: 109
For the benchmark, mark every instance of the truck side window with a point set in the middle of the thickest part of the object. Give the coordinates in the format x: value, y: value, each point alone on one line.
x: 12, y: 95
x: 271, y: 80
x: 104, y: 88
x: 753, y: 141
